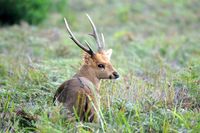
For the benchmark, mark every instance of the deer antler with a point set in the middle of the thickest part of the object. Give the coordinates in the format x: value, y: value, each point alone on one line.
x: 89, y: 50
x: 95, y: 34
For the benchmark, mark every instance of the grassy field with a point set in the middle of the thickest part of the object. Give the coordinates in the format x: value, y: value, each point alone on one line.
x: 156, y: 50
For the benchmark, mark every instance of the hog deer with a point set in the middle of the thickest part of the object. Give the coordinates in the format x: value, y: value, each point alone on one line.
x: 80, y: 94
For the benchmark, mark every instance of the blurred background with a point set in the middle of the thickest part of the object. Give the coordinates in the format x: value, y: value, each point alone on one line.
x: 156, y: 49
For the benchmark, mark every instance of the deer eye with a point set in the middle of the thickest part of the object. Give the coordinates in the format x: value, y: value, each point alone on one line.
x: 101, y: 66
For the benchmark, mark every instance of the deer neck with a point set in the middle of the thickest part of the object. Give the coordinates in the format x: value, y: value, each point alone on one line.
x: 87, y: 72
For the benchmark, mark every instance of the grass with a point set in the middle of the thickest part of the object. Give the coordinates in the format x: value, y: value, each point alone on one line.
x: 155, y: 49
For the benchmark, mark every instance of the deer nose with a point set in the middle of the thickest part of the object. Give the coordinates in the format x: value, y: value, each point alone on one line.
x: 116, y: 75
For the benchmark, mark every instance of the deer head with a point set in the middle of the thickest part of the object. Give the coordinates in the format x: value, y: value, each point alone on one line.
x: 98, y: 62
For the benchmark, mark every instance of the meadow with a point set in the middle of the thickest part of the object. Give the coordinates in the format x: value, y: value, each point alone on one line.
x: 156, y: 50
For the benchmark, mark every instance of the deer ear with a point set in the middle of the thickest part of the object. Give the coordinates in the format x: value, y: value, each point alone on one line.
x: 109, y: 53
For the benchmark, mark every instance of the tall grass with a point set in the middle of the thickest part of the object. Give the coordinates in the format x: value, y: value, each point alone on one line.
x: 155, y: 49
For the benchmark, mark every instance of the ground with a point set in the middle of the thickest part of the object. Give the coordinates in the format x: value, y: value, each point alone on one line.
x: 156, y: 50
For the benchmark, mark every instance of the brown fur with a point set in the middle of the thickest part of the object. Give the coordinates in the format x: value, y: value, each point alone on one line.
x: 80, y: 94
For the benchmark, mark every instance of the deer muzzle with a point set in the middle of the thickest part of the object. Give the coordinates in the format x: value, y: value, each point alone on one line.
x: 116, y: 75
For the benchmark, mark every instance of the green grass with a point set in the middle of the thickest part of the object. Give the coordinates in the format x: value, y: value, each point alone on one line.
x: 155, y: 49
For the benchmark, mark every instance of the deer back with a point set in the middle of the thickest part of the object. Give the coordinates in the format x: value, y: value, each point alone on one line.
x: 79, y: 96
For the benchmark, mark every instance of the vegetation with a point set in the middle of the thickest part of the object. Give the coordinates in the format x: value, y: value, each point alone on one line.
x: 35, y: 11
x: 155, y: 48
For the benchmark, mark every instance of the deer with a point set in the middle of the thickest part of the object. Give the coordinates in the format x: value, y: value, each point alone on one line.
x: 80, y: 94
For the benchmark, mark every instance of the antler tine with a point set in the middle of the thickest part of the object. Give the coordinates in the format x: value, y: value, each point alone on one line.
x: 103, y: 40
x: 90, y: 51
x: 95, y: 34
